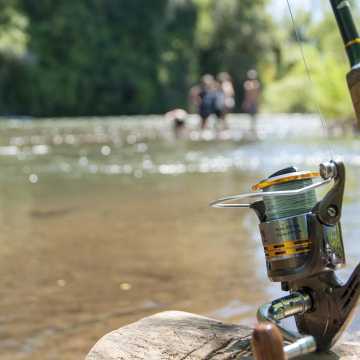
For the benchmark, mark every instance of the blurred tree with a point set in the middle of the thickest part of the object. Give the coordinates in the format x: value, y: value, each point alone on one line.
x: 178, y: 68
x: 13, y: 41
x: 242, y: 39
x: 67, y: 58
x: 328, y: 65
x: 94, y: 57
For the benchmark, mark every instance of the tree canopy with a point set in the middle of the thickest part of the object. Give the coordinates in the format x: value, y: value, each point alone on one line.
x: 112, y: 57
x: 121, y: 57
x: 326, y: 61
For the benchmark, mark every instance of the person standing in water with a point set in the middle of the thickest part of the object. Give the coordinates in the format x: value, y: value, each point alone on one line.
x: 252, y: 94
x: 206, y: 98
x: 225, y: 97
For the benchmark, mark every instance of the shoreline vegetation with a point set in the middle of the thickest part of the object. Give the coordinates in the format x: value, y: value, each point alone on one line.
x: 61, y: 59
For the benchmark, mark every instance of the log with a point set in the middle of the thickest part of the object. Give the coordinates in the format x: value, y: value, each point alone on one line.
x: 174, y: 335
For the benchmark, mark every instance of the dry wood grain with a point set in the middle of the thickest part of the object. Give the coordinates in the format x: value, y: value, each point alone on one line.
x: 182, y: 336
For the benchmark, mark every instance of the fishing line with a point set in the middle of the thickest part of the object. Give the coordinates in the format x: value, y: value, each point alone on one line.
x: 285, y: 206
x: 310, y: 79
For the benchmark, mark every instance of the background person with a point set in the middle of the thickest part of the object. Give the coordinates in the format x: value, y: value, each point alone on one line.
x: 178, y: 119
x: 225, y: 97
x: 252, y: 94
x: 207, y: 95
x: 227, y: 88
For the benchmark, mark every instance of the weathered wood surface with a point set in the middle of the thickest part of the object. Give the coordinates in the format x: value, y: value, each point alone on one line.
x: 176, y: 335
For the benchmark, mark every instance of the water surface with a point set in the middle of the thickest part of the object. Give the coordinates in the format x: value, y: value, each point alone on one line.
x: 104, y: 221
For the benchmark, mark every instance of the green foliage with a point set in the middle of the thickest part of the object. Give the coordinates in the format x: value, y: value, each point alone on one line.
x: 241, y: 40
x: 13, y: 42
x: 290, y: 89
x: 295, y: 93
x: 60, y: 58
x: 13, y: 37
x: 178, y: 65
x: 94, y: 57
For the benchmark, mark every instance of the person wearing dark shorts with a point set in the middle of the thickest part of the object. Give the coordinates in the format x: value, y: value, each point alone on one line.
x: 207, y: 95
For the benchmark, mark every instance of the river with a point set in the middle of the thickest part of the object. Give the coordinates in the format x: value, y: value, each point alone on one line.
x: 105, y: 221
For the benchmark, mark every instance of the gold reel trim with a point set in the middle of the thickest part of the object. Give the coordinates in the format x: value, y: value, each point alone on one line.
x: 288, y: 248
x: 285, y: 178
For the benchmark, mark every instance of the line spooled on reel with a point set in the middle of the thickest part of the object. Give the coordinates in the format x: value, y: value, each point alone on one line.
x: 301, y: 234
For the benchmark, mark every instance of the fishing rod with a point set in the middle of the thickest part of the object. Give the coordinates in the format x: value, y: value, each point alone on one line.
x: 301, y: 234
x: 351, y: 39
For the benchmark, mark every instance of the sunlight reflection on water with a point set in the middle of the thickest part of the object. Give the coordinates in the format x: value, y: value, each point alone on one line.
x: 131, y: 147
x: 109, y: 220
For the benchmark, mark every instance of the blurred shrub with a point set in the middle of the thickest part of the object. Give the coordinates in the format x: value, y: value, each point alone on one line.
x: 93, y: 57
x: 295, y: 93
x: 243, y: 37
x: 289, y: 90
x: 68, y: 58
x: 120, y: 56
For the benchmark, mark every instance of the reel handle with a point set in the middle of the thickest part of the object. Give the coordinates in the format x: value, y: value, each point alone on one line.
x: 267, y: 342
x: 333, y: 306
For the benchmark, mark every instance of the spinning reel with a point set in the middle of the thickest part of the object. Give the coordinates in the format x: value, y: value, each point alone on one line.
x: 303, y: 248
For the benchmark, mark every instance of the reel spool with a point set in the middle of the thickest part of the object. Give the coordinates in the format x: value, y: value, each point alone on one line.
x: 288, y: 232
x: 277, y: 207
x: 285, y: 233
x: 303, y: 247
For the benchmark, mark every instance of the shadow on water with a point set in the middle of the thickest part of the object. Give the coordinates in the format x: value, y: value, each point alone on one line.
x: 104, y: 222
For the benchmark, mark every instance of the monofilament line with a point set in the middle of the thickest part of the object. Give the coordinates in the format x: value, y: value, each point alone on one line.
x: 310, y: 79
